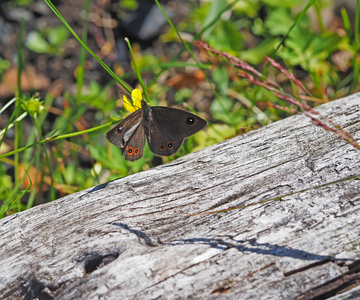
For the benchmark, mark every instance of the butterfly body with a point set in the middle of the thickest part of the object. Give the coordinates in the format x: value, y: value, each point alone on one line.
x: 164, y: 128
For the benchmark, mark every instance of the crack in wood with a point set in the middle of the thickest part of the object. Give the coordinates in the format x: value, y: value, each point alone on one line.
x: 336, y: 286
x: 355, y: 177
x: 176, y: 273
x: 95, y: 260
x: 221, y: 290
x: 307, y: 267
x: 33, y: 288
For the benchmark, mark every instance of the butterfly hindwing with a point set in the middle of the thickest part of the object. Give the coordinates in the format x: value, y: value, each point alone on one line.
x: 162, y: 144
x: 169, y: 128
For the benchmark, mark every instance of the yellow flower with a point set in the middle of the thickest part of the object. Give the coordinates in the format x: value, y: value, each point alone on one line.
x: 136, y: 97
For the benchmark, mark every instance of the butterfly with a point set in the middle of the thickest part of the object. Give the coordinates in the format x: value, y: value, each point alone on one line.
x: 164, y: 129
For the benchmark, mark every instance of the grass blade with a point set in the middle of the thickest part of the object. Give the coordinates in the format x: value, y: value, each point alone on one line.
x: 111, y: 72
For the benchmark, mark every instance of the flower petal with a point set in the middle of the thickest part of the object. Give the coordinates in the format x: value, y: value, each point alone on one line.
x: 127, y: 105
x: 136, y: 97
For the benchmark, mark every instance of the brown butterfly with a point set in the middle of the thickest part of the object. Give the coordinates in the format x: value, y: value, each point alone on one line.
x: 165, y: 129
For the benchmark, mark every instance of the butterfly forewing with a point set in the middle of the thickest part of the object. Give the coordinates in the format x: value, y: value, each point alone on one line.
x: 134, y: 148
x: 129, y: 136
x: 176, y: 122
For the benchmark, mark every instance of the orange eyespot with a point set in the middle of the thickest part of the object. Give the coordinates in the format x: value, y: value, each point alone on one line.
x: 129, y: 150
x: 136, y: 151
x: 162, y: 147
x: 170, y: 145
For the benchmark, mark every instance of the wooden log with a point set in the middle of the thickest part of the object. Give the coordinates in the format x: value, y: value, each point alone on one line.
x: 141, y: 237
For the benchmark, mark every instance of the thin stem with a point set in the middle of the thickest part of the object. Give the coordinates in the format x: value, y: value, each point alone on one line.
x: 18, y: 125
x: 137, y: 69
x: 80, y: 71
x: 58, y: 137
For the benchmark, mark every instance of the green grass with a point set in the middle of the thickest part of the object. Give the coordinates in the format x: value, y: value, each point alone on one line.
x: 237, y: 89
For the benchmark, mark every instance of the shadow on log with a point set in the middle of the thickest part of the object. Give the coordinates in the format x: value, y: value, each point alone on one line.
x: 141, y: 237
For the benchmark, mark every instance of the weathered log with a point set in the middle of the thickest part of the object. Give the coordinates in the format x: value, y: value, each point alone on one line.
x: 141, y: 237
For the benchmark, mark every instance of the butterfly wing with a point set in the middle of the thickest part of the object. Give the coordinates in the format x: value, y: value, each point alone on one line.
x: 129, y: 136
x: 169, y: 128
x: 134, y: 148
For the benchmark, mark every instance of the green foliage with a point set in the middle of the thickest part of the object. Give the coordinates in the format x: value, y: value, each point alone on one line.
x: 148, y: 61
x: 129, y: 4
x: 33, y: 106
x: 4, y: 66
x: 6, y: 183
x: 283, y: 3
x: 182, y: 95
x: 256, y: 55
x: 93, y: 95
x: 313, y: 53
x: 215, y: 134
x: 14, y: 3
x: 226, y: 37
x: 220, y: 107
x: 49, y: 40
